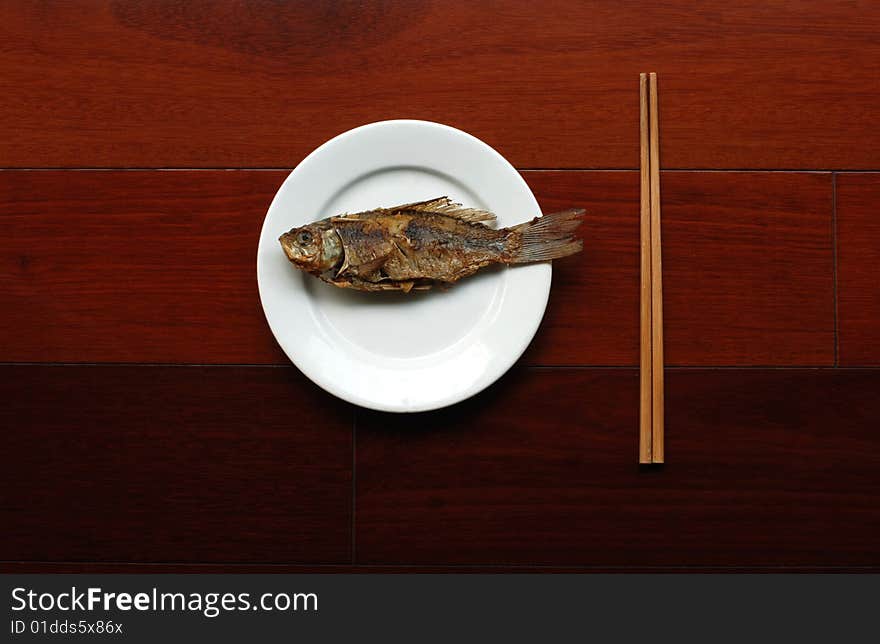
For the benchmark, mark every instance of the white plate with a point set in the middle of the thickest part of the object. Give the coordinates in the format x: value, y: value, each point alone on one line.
x: 393, y: 351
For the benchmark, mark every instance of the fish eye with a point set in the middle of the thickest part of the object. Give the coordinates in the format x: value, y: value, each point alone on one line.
x: 305, y: 237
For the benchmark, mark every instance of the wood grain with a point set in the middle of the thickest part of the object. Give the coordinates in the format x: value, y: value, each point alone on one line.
x: 169, y: 464
x: 131, y: 266
x: 250, y: 468
x: 207, y: 84
x: 593, y: 312
x: 858, y: 259
x: 747, y: 268
x: 765, y: 468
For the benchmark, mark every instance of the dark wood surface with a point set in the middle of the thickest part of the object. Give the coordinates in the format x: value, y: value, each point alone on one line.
x: 122, y: 463
x: 761, y: 463
x: 858, y: 234
x: 748, y: 269
x: 138, y: 266
x: 143, y: 266
x: 764, y: 468
x: 748, y: 84
x: 140, y: 146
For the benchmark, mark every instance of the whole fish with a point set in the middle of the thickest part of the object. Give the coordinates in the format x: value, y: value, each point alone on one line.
x: 417, y: 245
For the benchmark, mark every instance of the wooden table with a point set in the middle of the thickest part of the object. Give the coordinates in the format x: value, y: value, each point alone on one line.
x: 149, y: 421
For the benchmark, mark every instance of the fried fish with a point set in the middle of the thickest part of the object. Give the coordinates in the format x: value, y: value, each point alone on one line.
x: 415, y: 246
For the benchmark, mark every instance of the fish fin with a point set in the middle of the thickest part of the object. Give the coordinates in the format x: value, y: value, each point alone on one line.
x: 370, y: 267
x: 412, y: 285
x: 445, y: 206
x: 547, y: 237
x: 437, y: 206
x: 363, y: 285
x: 430, y: 205
x: 365, y: 269
x: 358, y: 284
x: 345, y: 264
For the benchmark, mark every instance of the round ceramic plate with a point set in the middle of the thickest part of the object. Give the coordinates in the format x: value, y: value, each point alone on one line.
x: 393, y: 351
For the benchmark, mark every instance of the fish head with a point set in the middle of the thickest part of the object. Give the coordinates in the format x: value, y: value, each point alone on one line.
x: 312, y: 248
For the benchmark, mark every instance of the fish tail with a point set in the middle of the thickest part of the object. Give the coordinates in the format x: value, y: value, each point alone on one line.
x: 548, y: 237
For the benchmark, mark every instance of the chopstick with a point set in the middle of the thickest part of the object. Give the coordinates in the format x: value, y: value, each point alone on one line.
x: 656, y: 284
x: 645, y: 354
x: 651, y: 388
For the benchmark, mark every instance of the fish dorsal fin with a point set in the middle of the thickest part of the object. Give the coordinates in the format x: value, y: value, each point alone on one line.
x: 445, y: 206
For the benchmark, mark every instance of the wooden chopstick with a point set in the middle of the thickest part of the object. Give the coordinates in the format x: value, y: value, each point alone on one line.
x: 656, y: 283
x: 651, y: 390
x: 645, y: 354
